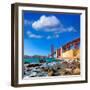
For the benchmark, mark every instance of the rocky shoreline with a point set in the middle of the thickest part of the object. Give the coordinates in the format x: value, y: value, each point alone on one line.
x: 52, y: 69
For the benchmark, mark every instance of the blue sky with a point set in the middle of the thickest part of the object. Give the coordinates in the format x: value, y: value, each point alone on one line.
x: 41, y: 30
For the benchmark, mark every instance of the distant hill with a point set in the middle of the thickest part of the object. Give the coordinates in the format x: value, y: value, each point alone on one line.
x: 34, y: 56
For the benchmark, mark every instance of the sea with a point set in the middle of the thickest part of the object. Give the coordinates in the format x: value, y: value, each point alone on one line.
x: 37, y: 60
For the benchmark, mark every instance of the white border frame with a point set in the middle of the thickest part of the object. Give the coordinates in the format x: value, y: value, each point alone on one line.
x: 82, y: 47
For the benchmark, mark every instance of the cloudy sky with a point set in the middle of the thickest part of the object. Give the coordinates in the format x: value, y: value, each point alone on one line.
x: 41, y: 30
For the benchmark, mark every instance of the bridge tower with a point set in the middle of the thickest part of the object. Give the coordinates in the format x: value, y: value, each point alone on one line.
x: 59, y: 53
x: 52, y: 51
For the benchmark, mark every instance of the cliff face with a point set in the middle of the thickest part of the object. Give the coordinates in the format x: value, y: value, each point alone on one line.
x: 71, y: 54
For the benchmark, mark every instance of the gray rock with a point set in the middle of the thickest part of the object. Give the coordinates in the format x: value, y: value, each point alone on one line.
x: 44, y: 65
x: 42, y: 74
x: 33, y: 74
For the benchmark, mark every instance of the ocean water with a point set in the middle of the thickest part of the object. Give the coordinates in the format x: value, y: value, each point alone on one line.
x: 37, y: 60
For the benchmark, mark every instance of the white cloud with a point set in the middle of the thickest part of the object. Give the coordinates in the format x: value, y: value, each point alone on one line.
x: 27, y: 22
x: 51, y: 24
x: 46, y: 22
x: 71, y: 29
x: 31, y: 35
x: 56, y: 36
x: 28, y: 33
x: 48, y: 37
x: 63, y: 29
x: 35, y: 36
x: 52, y: 36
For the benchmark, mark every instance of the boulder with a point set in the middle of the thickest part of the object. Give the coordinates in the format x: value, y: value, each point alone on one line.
x: 76, y: 71
x: 50, y: 72
x: 68, y: 71
x: 62, y: 71
x: 33, y: 74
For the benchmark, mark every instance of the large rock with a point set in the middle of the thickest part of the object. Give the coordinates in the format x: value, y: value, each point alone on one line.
x: 62, y: 71
x: 50, y: 72
x: 27, y: 72
x: 76, y: 71
x: 68, y: 71
x: 33, y: 74
x: 42, y: 74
